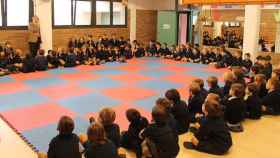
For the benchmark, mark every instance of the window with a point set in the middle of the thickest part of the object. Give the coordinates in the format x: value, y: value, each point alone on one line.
x: 1, y: 13
x: 17, y: 12
x: 119, y: 13
x: 62, y: 12
x: 102, y: 13
x: 83, y: 13
x: 89, y: 13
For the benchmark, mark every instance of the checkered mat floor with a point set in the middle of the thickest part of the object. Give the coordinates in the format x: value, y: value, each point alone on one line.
x: 33, y: 103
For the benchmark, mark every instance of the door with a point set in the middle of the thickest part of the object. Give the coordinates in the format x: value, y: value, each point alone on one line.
x: 167, y: 27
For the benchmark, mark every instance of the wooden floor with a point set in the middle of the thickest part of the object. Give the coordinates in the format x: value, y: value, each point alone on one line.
x: 261, y: 139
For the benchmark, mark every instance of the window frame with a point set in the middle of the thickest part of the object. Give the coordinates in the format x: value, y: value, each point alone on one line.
x: 5, y: 18
x: 93, y: 17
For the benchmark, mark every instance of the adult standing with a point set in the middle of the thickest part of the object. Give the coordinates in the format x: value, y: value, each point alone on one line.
x: 34, y: 36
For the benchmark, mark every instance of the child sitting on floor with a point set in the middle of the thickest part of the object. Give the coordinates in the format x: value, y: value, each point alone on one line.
x: 235, y: 108
x: 107, y: 118
x: 253, y: 102
x: 213, y: 136
x: 195, y: 101
x: 41, y: 61
x: 130, y: 138
x: 271, y: 102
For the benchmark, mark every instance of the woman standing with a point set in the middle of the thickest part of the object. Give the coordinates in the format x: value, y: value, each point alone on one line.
x: 34, y: 37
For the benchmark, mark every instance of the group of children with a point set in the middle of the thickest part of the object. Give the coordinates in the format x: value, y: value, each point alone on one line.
x: 86, y: 51
x: 209, y: 114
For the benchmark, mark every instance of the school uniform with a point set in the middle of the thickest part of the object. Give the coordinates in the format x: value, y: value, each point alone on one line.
x: 180, y: 113
x: 140, y: 52
x: 267, y: 71
x: 203, y: 93
x: 71, y: 60
x: 225, y: 61
x: 166, y: 52
x: 247, y: 64
x: 130, y: 138
x: 95, y: 150
x: 80, y: 44
x: 212, y: 57
x: 28, y: 65
x: 152, y: 50
x: 237, y: 62
x: 214, y: 136
x: 204, y: 58
x: 235, y: 110
x: 127, y: 53
x: 163, y: 138
x: 53, y: 60
x: 253, y: 106
x: 82, y: 57
x: 195, y: 105
x: 189, y: 54
x: 196, y: 57
x: 262, y: 91
x: 272, y: 102
x: 62, y: 57
x: 64, y: 146
x: 216, y: 90
x: 113, y: 133
x: 41, y: 63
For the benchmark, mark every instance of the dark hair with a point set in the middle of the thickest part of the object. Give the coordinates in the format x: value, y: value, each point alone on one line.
x: 41, y: 52
x: 173, y: 95
x: 267, y: 58
x: 200, y: 82
x: 107, y: 116
x: 163, y: 102
x: 159, y: 115
x: 248, y: 54
x: 253, y: 88
x: 132, y: 115
x: 213, y: 80
x: 213, y: 108
x: 96, y: 133
x: 65, y: 125
x: 238, y: 90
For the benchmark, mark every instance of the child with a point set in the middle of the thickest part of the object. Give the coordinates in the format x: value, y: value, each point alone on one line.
x: 107, y: 118
x: 247, y: 62
x: 271, y: 102
x: 195, y: 58
x: 213, y: 86
x: 53, y: 61
x: 235, y: 108
x: 71, y: 58
x: 213, y: 136
x: 98, y: 145
x: 4, y: 61
x: 66, y: 143
x: 267, y: 71
x: 204, y: 56
x: 28, y: 64
x: 139, y: 51
x: 228, y: 79
x: 237, y: 59
x: 195, y: 101
x: 166, y: 52
x: 276, y: 73
x: 261, y: 85
x: 225, y: 61
x: 161, y: 135
x: 203, y: 91
x: 253, y: 102
x: 170, y: 120
x: 151, y: 49
x: 130, y: 138
x: 178, y: 110
x: 41, y: 62
x: 159, y: 51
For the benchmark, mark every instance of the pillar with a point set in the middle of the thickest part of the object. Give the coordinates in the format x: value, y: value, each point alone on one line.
x: 277, y: 39
x: 133, y: 23
x: 43, y: 9
x: 251, y: 29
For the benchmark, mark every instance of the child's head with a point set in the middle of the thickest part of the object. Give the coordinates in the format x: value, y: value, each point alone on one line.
x: 267, y: 59
x: 276, y: 73
x: 213, y: 96
x: 251, y: 89
x: 65, y: 125
x: 96, y: 133
x: 91, y: 120
x: 132, y: 115
x: 200, y: 82
x: 212, y: 108
x: 273, y: 84
x: 194, y: 89
x: 212, y: 81
x: 236, y: 90
x: 41, y: 52
x: 238, y: 73
x: 159, y: 115
x: 247, y: 56
x: 173, y: 95
x: 107, y: 116
x: 164, y: 103
x: 228, y: 77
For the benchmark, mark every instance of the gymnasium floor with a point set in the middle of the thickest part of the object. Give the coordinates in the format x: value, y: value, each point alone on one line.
x: 33, y: 103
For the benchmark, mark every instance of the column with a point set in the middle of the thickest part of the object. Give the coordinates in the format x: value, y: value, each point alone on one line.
x: 251, y: 29
x: 132, y: 23
x: 43, y: 9
x: 277, y: 39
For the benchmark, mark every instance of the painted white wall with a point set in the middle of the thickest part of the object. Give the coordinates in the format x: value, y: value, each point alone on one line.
x: 43, y: 9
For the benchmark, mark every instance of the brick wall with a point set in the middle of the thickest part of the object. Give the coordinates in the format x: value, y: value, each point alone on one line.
x: 18, y: 38
x: 146, y: 25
